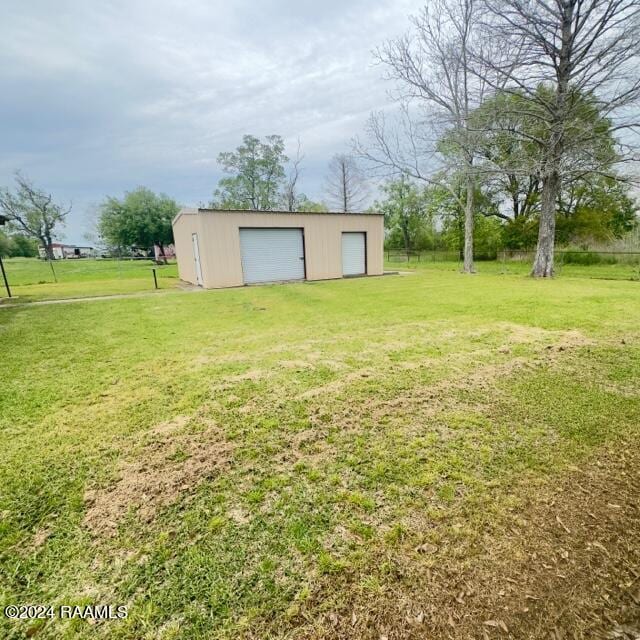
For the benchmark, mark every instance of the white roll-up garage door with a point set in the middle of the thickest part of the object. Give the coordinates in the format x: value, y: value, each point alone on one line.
x: 270, y: 255
x: 353, y: 254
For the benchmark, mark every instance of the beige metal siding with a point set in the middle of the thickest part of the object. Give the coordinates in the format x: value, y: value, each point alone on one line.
x: 219, y: 238
x: 186, y: 224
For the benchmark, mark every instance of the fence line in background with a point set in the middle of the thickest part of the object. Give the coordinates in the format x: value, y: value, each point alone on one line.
x: 35, y: 271
x: 564, y: 256
x: 422, y: 256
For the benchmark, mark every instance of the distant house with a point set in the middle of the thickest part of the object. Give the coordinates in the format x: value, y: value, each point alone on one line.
x: 169, y: 252
x: 67, y: 251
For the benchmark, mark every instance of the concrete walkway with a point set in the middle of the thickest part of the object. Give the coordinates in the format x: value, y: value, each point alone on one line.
x: 116, y: 296
x: 182, y: 288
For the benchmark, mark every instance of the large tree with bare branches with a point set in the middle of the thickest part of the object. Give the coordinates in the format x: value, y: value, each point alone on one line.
x: 573, y: 49
x: 345, y: 186
x: 437, y: 92
x: 291, y: 195
x: 513, y: 143
x: 33, y: 212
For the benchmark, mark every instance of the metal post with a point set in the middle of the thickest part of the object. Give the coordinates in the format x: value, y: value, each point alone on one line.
x: 53, y: 271
x: 4, y: 277
x: 155, y: 278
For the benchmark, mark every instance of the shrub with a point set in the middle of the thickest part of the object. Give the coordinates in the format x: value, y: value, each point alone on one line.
x: 586, y: 258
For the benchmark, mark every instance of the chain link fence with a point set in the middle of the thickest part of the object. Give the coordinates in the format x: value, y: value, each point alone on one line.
x: 623, y: 265
x: 35, y: 279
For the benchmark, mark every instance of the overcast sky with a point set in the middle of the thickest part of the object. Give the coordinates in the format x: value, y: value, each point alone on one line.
x: 101, y: 97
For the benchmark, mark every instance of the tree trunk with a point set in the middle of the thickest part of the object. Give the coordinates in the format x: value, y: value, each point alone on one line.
x: 516, y: 205
x: 543, y: 263
x: 405, y: 237
x: 467, y: 266
x: 164, y: 257
x: 48, y: 248
x: 345, y: 203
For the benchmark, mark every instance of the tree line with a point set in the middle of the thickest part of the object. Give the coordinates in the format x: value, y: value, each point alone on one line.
x: 514, y: 127
x: 260, y: 178
x: 520, y: 102
x: 17, y: 245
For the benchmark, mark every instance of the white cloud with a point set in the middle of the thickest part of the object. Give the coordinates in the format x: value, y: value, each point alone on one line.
x: 101, y: 97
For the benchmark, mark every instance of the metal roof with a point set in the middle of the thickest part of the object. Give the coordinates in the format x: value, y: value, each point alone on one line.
x: 195, y: 211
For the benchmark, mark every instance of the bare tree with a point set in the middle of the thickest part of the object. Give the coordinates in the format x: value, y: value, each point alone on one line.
x: 291, y: 195
x: 33, y: 212
x: 437, y: 93
x: 571, y: 48
x: 346, y: 186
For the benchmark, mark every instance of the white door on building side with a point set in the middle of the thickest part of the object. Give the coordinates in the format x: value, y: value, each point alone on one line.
x: 196, y: 259
x: 272, y: 255
x: 354, y: 254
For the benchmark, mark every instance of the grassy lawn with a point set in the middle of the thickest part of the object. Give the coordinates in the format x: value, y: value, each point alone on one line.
x: 415, y: 456
x: 618, y: 271
x: 32, y: 280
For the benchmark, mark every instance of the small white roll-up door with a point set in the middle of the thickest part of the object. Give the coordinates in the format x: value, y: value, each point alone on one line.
x: 353, y: 254
x: 270, y: 255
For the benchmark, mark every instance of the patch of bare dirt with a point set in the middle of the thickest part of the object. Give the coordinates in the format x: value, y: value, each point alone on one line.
x: 547, y: 344
x: 430, y: 400
x: 336, y: 385
x: 425, y: 401
x: 40, y: 538
x: 230, y: 381
x: 564, y: 564
x: 37, y: 542
x: 168, y: 465
x: 170, y: 426
x: 296, y: 364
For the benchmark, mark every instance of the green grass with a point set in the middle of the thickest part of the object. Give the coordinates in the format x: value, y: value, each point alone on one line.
x: 320, y: 433
x: 617, y: 271
x: 32, y: 280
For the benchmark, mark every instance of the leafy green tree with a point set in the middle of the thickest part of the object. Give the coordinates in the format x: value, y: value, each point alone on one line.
x: 6, y: 245
x: 32, y: 212
x: 520, y: 233
x: 21, y: 246
x: 512, y: 142
x: 405, y: 214
x: 257, y: 175
x: 599, y: 210
x: 488, y: 238
x: 592, y: 203
x: 580, y: 51
x: 305, y: 204
x: 595, y: 212
x: 507, y: 124
x: 24, y: 247
x: 141, y: 219
x: 442, y: 202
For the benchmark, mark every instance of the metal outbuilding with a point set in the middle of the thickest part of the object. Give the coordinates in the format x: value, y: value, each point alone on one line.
x: 216, y: 248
